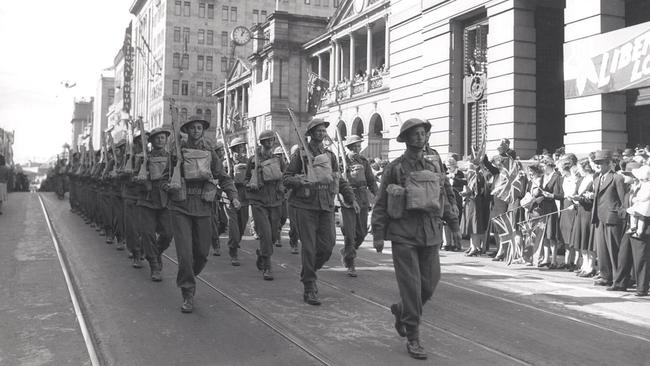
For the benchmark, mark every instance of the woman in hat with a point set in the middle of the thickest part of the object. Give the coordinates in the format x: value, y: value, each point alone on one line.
x: 550, y: 191
x: 476, y: 209
x: 458, y: 182
x: 569, y: 171
x: 581, y: 231
x: 191, y: 207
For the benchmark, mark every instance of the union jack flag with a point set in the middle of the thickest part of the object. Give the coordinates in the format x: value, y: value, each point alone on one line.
x: 506, y: 229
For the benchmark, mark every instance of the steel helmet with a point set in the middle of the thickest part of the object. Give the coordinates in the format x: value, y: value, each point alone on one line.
x: 265, y: 135
x: 237, y: 141
x: 410, y: 123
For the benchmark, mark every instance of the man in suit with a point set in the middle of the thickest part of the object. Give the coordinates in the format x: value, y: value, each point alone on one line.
x: 607, y: 216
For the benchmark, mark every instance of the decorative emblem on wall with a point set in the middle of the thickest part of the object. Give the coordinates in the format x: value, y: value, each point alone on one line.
x: 477, y: 87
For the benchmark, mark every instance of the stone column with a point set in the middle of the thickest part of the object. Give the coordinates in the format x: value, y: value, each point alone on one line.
x: 598, y: 121
x: 352, y: 45
x: 511, y: 102
x: 369, y: 49
x: 332, y: 58
x: 337, y: 62
x: 219, y: 112
x: 386, y: 44
x: 320, y: 65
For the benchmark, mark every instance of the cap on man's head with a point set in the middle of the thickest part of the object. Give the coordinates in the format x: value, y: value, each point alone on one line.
x: 602, y: 156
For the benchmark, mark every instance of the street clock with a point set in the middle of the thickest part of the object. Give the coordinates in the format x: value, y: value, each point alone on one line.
x: 240, y: 35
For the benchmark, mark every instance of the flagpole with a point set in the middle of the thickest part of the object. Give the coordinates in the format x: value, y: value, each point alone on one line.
x: 548, y: 214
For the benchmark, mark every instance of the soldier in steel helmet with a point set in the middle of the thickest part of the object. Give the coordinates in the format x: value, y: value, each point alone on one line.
x: 191, y: 207
x: 409, y: 211
x: 237, y: 217
x: 265, y: 194
x: 219, y: 218
x: 155, y: 219
x: 284, y: 214
x: 312, y: 196
x: 355, y: 225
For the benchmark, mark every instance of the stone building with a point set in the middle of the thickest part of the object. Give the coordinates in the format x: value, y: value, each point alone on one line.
x: 182, y: 49
x: 104, y: 98
x: 81, y: 122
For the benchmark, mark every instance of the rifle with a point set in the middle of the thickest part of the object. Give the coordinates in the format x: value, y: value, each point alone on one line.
x: 255, y: 180
x: 128, y: 164
x: 143, y: 174
x: 284, y: 147
x: 113, y: 172
x: 102, y: 148
x: 175, y: 181
x: 344, y: 159
x: 306, y: 155
x: 227, y: 150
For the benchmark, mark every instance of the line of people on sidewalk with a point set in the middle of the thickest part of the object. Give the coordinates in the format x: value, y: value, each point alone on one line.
x: 187, y: 192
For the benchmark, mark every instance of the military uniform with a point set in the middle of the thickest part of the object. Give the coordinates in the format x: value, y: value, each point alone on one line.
x: 237, y: 218
x: 313, y: 203
x: 416, y: 234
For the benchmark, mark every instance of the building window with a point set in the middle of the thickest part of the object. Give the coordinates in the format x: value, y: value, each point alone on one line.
x: 224, y: 64
x: 208, y: 88
x: 201, y: 10
x: 233, y: 14
x: 224, y: 39
x: 187, y: 9
x: 175, y: 87
x: 224, y: 14
x: 256, y: 16
x: 176, y: 60
x: 186, y: 35
x: 210, y: 11
x: 210, y: 38
x: 199, y: 112
x: 186, y: 61
x: 262, y: 16
x: 201, y: 36
x: 111, y: 96
x: 208, y: 63
x: 177, y: 8
x: 177, y: 34
x: 199, y: 62
x: 199, y: 89
x: 208, y: 115
x: 183, y: 115
x: 184, y: 87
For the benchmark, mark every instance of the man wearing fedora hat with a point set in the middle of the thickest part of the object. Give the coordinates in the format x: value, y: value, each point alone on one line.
x: 313, y: 202
x: 191, y: 207
x: 355, y: 225
x: 410, y: 208
x: 607, y: 215
x: 237, y: 217
x: 154, y: 216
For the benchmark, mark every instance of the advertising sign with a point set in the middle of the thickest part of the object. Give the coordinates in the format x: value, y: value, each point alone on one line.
x: 608, y: 62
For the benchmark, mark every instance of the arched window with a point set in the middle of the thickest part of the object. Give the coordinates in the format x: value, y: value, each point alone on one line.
x: 183, y: 116
x: 208, y: 115
x: 199, y: 112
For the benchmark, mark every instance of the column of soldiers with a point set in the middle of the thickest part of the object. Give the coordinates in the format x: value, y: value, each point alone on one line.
x: 188, y: 195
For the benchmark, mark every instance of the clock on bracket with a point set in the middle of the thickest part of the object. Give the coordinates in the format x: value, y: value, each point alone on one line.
x: 240, y: 35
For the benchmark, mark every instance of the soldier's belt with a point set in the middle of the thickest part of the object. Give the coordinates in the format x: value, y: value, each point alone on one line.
x: 195, y: 191
x: 321, y: 186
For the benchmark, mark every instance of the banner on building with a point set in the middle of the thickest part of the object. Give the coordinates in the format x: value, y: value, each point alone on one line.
x: 316, y: 86
x: 608, y: 62
x: 127, y: 50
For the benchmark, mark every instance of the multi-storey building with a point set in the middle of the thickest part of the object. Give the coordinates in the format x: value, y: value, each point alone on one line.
x: 81, y: 122
x: 104, y: 98
x: 114, y: 112
x: 182, y: 50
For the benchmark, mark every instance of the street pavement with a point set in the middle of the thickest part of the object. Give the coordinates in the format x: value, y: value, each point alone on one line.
x: 483, y: 312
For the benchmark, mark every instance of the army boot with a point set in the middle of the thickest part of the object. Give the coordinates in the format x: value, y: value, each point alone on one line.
x: 188, y: 300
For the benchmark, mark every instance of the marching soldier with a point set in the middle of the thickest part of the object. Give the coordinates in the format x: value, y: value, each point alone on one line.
x: 412, y: 202
x: 106, y: 199
x: 284, y: 214
x: 265, y: 194
x: 219, y: 219
x: 117, y: 204
x: 291, y: 212
x: 237, y: 217
x: 130, y: 195
x: 313, y: 201
x: 355, y: 225
x: 191, y: 206
x: 155, y: 219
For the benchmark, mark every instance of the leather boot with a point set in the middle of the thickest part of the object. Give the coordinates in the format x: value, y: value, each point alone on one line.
x: 188, y: 301
x: 415, y: 350
x: 311, y: 297
x: 267, y: 273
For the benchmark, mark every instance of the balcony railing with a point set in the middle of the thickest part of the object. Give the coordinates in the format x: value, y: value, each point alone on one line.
x: 360, y: 86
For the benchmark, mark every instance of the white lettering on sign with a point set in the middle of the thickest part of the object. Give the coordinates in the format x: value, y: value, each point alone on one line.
x: 634, y: 52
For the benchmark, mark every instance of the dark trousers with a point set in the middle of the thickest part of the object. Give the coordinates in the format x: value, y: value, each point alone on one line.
x: 354, y: 228
x: 107, y: 213
x: 131, y: 224
x: 154, y: 222
x: 192, y: 235
x: 284, y: 215
x: 634, y: 254
x: 607, y: 239
x: 266, y: 219
x: 117, y: 213
x: 237, y: 220
x: 417, y: 270
x: 293, y: 229
x: 217, y: 219
x: 318, y: 237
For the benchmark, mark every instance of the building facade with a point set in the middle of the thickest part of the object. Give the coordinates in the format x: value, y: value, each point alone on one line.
x: 182, y: 50
x: 81, y: 122
x: 104, y: 98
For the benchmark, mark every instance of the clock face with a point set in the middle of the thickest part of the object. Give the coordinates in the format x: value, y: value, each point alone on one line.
x: 358, y: 5
x: 240, y: 35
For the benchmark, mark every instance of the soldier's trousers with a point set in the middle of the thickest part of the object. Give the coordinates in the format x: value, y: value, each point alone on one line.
x: 218, y: 219
x: 192, y: 235
x: 284, y: 215
x: 152, y: 222
x: 417, y: 270
x: 293, y: 227
x: 107, y: 219
x: 117, y: 213
x: 131, y: 224
x: 266, y: 220
x: 237, y: 220
x: 318, y: 237
x: 355, y: 229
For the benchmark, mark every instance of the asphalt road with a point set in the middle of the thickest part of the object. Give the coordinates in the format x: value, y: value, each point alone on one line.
x: 483, y: 312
